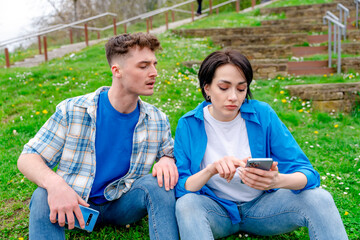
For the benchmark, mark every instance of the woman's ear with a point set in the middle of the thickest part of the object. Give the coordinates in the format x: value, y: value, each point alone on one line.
x: 206, y: 89
x: 116, y: 71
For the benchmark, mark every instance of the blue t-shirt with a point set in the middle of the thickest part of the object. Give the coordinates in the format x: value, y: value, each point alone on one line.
x: 113, y: 145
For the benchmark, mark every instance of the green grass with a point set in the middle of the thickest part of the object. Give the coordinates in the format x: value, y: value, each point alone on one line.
x: 26, y: 93
x: 29, y: 96
x: 286, y: 3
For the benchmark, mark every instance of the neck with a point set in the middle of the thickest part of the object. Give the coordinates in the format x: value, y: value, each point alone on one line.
x: 122, y: 102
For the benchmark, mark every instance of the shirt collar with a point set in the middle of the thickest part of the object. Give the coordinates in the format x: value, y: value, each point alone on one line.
x: 247, y: 110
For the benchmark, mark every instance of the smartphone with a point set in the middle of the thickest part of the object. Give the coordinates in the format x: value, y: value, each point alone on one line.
x: 261, y: 163
x: 90, y: 216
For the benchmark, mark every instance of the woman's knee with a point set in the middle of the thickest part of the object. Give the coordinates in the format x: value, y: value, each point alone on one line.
x: 317, y: 200
x: 189, y: 206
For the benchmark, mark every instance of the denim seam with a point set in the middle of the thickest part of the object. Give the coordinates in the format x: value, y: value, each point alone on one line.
x: 298, y: 212
x: 152, y: 209
x: 221, y: 215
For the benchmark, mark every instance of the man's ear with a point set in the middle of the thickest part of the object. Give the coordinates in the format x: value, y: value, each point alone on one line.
x: 116, y: 71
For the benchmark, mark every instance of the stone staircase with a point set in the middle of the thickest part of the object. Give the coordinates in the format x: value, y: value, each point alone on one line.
x: 276, y: 41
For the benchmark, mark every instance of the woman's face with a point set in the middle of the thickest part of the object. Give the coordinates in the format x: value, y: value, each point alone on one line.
x: 227, y: 91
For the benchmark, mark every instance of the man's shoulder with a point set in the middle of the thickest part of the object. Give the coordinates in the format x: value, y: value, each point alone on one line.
x: 153, y: 111
x: 82, y: 101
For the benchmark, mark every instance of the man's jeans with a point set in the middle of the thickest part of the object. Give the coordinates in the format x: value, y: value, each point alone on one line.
x: 144, y: 198
x: 200, y: 217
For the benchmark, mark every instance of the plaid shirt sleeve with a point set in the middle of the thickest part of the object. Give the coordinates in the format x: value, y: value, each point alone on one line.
x: 167, y: 142
x: 49, y: 140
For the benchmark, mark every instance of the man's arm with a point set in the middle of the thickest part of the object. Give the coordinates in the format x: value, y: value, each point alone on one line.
x: 62, y: 199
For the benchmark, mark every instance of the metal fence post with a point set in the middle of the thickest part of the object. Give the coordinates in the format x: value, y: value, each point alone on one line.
x: 192, y: 12
x: 114, y: 22
x: 147, y: 25
x: 98, y: 34
x: 151, y: 27
x: 210, y: 6
x: 39, y: 44
x: 7, y: 58
x: 339, y: 51
x: 357, y: 13
x: 167, y: 20
x: 253, y: 3
x: 237, y: 6
x: 86, y: 35
x: 71, y: 36
x: 125, y: 28
x: 172, y: 16
x: 45, y: 49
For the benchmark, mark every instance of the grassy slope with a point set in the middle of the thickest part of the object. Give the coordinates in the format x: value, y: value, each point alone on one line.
x: 331, y: 141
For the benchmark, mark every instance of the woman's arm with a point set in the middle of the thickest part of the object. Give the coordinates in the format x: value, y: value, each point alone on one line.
x: 225, y: 167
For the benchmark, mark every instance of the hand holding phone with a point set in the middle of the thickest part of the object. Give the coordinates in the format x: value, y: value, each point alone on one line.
x: 90, y: 216
x: 260, y: 163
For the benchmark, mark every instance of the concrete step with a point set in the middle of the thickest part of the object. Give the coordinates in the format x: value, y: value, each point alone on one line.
x: 261, y: 30
x: 308, y: 51
x: 312, y: 71
x: 314, y: 9
x: 307, y: 64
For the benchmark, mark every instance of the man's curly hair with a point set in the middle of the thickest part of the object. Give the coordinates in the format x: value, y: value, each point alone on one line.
x: 121, y: 44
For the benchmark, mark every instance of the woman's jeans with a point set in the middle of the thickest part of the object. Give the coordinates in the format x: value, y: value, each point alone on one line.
x: 200, y: 217
x: 144, y: 198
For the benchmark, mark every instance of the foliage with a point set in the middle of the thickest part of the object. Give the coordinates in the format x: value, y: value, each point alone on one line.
x: 29, y: 96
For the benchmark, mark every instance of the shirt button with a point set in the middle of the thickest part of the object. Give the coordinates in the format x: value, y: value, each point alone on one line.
x: 92, y: 174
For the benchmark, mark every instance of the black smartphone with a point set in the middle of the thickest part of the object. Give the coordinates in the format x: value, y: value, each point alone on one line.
x: 261, y: 163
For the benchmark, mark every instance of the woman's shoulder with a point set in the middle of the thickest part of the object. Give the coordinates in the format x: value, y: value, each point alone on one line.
x: 258, y: 106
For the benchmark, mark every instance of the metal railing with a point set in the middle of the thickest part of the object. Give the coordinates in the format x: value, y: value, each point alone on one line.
x: 148, y: 16
x: 343, y: 12
x: 340, y: 28
x: 357, y: 12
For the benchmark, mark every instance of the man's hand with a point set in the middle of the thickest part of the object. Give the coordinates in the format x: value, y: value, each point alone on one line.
x: 166, y: 168
x: 64, y: 202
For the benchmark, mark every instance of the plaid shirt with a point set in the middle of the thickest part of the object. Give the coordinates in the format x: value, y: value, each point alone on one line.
x: 67, y: 139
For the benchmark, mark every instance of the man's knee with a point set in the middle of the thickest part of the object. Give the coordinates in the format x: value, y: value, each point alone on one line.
x: 151, y: 186
x: 39, y: 198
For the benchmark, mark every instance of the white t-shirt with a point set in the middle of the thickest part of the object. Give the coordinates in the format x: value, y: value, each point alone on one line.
x: 227, y: 139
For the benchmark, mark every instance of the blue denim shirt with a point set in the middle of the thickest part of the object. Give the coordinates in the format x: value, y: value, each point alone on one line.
x: 268, y: 137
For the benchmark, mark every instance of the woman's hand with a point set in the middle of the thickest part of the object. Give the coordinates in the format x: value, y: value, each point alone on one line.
x: 260, y: 179
x: 226, y: 167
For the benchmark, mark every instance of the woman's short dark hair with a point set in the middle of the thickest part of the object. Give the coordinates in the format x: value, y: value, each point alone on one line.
x: 219, y: 58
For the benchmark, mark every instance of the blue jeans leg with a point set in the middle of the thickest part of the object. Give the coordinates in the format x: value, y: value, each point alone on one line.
x: 283, y: 211
x: 40, y: 226
x: 201, y: 218
x: 145, y: 198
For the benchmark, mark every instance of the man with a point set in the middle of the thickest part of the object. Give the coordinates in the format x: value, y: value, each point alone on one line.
x: 104, y: 145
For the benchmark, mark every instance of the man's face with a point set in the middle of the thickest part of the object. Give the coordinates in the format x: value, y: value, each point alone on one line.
x: 138, y: 72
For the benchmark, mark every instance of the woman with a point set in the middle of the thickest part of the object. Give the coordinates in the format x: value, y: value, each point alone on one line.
x: 212, y: 145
